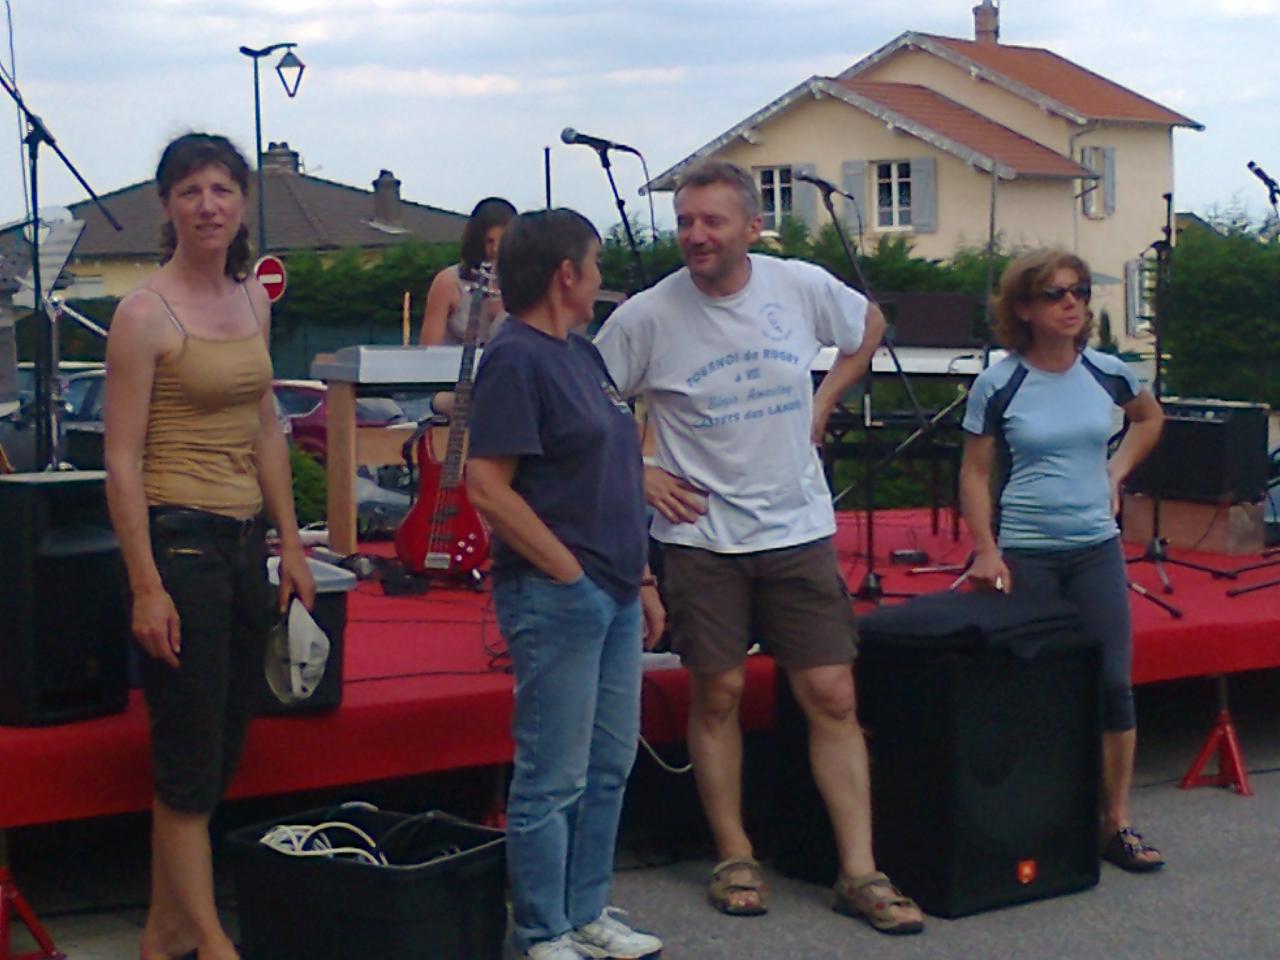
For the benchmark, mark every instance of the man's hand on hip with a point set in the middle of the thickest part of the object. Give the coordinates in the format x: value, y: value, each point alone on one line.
x: 672, y: 497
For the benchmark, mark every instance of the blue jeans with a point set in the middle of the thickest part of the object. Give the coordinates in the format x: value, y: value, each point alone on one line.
x: 576, y: 653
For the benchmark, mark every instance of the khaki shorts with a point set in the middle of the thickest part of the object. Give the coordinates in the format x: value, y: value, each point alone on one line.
x: 793, y: 601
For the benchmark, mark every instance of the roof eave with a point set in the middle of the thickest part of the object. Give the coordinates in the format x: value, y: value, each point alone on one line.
x: 667, y: 179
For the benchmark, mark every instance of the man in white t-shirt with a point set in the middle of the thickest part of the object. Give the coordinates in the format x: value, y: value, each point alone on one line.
x: 720, y: 352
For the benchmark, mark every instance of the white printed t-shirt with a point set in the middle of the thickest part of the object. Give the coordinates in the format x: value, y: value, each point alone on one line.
x: 727, y: 383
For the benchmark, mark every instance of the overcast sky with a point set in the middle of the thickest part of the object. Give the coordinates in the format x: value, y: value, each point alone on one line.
x: 459, y: 97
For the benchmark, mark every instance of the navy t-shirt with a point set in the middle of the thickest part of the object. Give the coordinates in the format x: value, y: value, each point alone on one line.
x: 552, y: 404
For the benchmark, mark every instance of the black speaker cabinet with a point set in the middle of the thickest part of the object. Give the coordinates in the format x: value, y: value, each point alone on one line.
x: 64, y: 633
x: 1211, y: 451
x: 983, y: 725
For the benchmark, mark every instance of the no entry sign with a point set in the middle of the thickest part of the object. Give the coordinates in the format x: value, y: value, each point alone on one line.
x: 270, y: 273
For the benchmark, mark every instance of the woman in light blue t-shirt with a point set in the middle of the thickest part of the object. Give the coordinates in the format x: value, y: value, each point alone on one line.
x: 1040, y: 496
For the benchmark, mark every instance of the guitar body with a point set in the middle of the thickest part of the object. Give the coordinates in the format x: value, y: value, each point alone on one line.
x: 441, y: 535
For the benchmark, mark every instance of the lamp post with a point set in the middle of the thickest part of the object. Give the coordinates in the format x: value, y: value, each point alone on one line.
x: 288, y: 69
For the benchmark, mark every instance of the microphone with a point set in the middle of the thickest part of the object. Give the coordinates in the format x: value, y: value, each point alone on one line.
x: 824, y: 185
x: 1262, y: 175
x: 572, y: 136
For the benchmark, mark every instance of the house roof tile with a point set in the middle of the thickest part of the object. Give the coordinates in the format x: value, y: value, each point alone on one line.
x: 971, y: 130
x: 302, y: 212
x: 1080, y: 90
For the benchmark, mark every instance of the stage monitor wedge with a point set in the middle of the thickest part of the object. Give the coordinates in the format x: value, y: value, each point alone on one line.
x: 65, y: 632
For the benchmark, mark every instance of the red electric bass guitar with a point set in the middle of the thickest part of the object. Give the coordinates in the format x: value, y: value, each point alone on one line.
x: 442, y: 535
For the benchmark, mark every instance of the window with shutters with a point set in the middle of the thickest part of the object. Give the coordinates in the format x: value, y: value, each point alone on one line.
x: 1098, y: 197
x: 775, y: 194
x: 1140, y: 296
x: 893, y: 195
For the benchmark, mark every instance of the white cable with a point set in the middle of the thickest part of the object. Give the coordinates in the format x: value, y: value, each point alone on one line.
x: 662, y: 763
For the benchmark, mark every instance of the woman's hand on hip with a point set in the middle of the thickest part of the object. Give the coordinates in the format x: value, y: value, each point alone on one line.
x: 156, y: 625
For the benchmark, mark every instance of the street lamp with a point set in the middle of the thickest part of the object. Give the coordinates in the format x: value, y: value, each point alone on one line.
x: 289, y: 70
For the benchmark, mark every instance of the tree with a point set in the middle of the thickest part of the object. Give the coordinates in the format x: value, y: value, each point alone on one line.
x: 1219, y: 317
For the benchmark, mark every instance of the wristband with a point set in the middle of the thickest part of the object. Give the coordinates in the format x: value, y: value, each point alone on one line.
x: 649, y: 582
x: 649, y: 461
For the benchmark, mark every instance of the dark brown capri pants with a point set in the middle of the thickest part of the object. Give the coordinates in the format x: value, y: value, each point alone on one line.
x: 215, y: 569
x: 792, y: 600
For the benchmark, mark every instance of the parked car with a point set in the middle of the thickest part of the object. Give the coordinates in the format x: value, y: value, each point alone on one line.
x: 17, y: 431
x: 305, y: 403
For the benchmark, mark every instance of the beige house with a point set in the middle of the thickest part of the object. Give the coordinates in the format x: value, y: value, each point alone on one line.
x: 938, y: 139
x: 303, y: 212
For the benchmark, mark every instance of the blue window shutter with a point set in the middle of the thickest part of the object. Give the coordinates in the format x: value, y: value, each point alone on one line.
x: 1108, y: 180
x: 853, y: 181
x: 924, y: 195
x: 804, y: 197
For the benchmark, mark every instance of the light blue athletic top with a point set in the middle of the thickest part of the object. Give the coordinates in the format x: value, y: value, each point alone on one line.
x: 1051, y: 432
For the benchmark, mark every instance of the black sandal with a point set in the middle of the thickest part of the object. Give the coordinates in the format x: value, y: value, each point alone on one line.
x: 1126, y: 849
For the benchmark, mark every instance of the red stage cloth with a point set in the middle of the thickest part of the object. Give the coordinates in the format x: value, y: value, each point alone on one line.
x: 420, y: 696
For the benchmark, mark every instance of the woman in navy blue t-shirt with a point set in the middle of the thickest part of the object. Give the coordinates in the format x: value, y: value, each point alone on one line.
x: 1040, y: 496
x: 554, y: 465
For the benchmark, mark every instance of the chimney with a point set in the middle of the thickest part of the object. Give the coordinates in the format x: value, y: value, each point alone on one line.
x: 279, y: 157
x: 986, y: 22
x: 386, y: 199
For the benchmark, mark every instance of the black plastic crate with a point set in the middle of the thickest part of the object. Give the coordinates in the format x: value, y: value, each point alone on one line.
x: 442, y: 899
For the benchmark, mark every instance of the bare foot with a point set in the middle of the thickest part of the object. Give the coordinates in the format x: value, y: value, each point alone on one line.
x: 220, y: 949
x: 174, y: 947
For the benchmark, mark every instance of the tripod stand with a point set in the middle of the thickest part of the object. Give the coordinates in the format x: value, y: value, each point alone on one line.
x: 872, y: 588
x: 1155, y: 552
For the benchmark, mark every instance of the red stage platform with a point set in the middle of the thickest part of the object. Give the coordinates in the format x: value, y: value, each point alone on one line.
x: 420, y: 695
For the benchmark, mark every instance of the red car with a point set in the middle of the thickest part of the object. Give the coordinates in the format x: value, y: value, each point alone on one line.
x: 304, y: 403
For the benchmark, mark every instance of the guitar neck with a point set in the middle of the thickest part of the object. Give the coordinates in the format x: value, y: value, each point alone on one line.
x: 451, y: 469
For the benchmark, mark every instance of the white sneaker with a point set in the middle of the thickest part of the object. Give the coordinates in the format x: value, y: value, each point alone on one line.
x: 561, y: 948
x: 608, y: 938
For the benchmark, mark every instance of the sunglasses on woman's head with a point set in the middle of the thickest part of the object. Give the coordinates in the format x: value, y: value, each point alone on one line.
x: 1081, y: 291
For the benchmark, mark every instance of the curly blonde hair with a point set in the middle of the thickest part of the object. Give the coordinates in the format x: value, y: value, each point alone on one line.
x: 1021, y: 283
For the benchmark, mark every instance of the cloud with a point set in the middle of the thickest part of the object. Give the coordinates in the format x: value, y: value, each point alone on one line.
x: 423, y: 83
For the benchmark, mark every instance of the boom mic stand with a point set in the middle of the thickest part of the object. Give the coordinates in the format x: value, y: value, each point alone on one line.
x: 1270, y: 558
x: 46, y: 385
x: 1155, y: 552
x: 871, y: 589
x: 639, y: 277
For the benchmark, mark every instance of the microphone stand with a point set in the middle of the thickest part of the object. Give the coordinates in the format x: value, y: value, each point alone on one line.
x: 1155, y: 552
x: 639, y: 278
x: 46, y: 380
x: 871, y: 589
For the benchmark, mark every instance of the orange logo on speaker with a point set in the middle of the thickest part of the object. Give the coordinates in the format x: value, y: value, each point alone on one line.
x: 1027, y: 871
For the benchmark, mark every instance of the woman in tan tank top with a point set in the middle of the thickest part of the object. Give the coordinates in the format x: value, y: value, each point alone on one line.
x: 194, y: 456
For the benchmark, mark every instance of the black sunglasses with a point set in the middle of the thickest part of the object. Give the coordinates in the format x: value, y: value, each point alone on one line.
x: 1081, y: 291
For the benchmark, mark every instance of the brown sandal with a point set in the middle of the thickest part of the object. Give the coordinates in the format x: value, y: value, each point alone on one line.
x: 1128, y: 851
x: 737, y: 875
x: 870, y: 898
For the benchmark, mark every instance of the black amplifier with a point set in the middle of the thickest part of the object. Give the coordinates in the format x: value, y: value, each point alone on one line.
x: 1211, y: 451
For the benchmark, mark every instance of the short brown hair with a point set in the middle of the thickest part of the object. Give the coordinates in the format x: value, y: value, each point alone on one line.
x: 1022, y: 281
x: 722, y: 171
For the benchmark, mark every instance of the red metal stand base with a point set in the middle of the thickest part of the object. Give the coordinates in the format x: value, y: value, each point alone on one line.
x: 11, y: 900
x: 1232, y: 772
